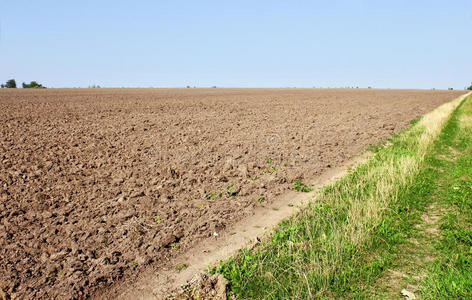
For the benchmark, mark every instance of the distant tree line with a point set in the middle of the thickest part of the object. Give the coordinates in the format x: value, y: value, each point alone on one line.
x: 32, y: 85
x: 11, y: 84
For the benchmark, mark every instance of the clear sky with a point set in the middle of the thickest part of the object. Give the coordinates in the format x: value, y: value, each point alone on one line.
x: 390, y: 44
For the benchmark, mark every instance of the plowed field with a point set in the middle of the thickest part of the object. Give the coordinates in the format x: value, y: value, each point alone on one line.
x: 97, y: 184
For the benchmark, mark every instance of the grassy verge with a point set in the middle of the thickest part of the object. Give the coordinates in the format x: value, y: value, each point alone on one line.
x: 449, y: 275
x: 429, y: 262
x: 345, y: 239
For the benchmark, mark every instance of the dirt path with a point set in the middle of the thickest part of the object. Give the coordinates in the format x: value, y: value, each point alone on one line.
x: 403, y: 281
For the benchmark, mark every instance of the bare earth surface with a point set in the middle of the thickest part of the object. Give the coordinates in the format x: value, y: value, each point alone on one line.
x: 98, y: 185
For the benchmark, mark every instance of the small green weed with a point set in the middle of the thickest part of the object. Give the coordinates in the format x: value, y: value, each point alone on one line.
x: 181, y: 267
x: 301, y: 187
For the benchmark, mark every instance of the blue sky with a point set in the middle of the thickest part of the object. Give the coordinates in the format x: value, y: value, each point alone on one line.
x: 390, y: 44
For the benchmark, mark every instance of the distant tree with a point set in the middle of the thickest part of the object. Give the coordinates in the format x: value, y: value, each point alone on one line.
x: 11, y: 84
x: 470, y: 87
x: 2, y: 86
x: 32, y: 85
x: 450, y: 89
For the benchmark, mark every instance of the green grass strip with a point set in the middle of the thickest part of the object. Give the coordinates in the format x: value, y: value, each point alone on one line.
x: 412, y: 260
x: 449, y: 276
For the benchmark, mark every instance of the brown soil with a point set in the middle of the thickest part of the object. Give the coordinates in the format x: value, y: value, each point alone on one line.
x: 98, y: 185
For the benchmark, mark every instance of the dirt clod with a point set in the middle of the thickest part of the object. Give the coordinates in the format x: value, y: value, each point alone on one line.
x: 408, y: 295
x: 202, y: 286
